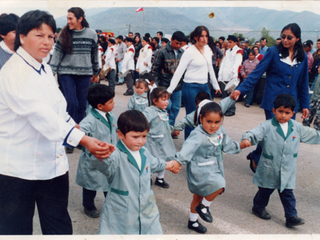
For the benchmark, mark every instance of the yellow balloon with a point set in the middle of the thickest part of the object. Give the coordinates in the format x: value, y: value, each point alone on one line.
x: 211, y: 15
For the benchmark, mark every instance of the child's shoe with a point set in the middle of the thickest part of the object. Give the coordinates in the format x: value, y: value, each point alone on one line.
x: 196, y: 226
x: 261, y: 214
x: 294, y: 221
x: 161, y: 183
x: 93, y: 213
x: 204, y: 212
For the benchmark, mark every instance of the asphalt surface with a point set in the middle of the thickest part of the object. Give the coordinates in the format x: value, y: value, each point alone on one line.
x: 232, y: 210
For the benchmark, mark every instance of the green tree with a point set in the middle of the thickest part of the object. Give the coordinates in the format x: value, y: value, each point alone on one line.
x: 270, y: 40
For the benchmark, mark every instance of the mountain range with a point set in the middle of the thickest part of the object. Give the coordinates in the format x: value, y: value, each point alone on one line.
x: 227, y: 20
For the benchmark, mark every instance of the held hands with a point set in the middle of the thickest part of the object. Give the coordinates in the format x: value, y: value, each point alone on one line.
x: 175, y: 133
x: 235, y: 95
x: 173, y: 166
x: 95, y: 79
x: 99, y: 149
x: 245, y: 143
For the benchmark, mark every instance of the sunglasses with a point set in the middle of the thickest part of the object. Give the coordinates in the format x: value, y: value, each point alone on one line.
x: 289, y: 37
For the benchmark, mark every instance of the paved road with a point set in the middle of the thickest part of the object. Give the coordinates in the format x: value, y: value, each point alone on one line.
x: 232, y: 210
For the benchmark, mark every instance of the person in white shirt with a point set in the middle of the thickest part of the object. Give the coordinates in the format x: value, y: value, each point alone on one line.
x: 34, y: 128
x: 195, y: 65
x: 230, y: 68
x: 128, y: 66
x: 145, y: 55
x: 110, y: 61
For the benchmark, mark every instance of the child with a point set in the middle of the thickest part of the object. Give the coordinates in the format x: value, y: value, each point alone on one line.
x: 314, y: 106
x: 145, y: 55
x: 279, y: 138
x: 110, y: 61
x: 101, y: 124
x: 202, y: 152
x: 189, y: 119
x: 139, y: 100
x: 130, y: 206
x: 159, y: 141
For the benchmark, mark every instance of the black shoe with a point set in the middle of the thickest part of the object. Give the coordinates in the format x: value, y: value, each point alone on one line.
x: 229, y: 114
x: 128, y: 93
x: 199, y: 227
x: 294, y: 221
x: 261, y: 214
x: 205, y: 216
x: 247, y: 105
x: 119, y: 83
x: 249, y: 157
x: 161, y: 183
x: 93, y: 213
x: 69, y: 150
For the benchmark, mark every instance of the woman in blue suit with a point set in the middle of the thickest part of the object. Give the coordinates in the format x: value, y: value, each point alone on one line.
x: 286, y: 65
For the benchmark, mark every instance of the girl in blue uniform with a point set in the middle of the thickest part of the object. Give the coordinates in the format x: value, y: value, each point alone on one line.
x: 202, y: 152
x: 159, y: 141
x: 139, y: 100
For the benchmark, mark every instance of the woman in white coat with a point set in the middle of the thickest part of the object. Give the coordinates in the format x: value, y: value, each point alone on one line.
x: 145, y: 55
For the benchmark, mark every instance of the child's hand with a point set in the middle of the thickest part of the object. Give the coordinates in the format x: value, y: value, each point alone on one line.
x: 175, y: 133
x: 173, y: 166
x: 245, y: 143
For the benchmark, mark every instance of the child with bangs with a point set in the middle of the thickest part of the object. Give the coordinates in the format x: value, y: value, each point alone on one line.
x: 139, y: 100
x: 159, y: 141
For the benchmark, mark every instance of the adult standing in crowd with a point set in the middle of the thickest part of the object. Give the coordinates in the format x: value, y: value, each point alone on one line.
x: 8, y: 23
x: 75, y: 60
x: 145, y: 56
x: 195, y: 66
x: 159, y: 35
x: 217, y: 55
x: 120, y: 55
x: 34, y: 126
x: 137, y: 48
x: 286, y: 66
x: 165, y: 64
x: 263, y: 48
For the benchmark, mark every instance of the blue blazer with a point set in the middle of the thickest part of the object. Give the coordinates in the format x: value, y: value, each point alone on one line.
x: 281, y: 78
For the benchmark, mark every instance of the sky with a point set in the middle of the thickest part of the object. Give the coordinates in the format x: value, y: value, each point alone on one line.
x: 59, y: 8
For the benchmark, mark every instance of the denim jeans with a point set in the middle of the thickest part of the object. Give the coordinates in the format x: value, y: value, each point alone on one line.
x: 121, y: 80
x: 75, y: 90
x: 174, y: 106
x: 111, y: 77
x: 249, y: 96
x: 189, y: 92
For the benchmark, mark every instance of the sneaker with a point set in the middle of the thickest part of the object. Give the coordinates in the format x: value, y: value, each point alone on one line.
x: 261, y: 214
x: 252, y: 167
x: 294, y: 221
x: 92, y: 213
x: 196, y: 226
x: 161, y: 183
x: 204, y: 212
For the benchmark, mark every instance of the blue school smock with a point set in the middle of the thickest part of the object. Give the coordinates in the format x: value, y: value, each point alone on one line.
x: 130, y: 206
x: 281, y: 78
x: 159, y: 140
x: 202, y: 152
x: 138, y: 102
x: 277, y: 164
x: 88, y: 174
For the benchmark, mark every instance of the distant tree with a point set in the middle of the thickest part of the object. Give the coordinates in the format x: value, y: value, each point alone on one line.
x: 239, y: 35
x: 270, y: 40
x: 252, y: 41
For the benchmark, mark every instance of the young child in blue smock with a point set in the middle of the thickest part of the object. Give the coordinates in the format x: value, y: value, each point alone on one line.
x: 139, y: 100
x: 130, y: 206
x: 279, y: 138
x: 159, y: 141
x: 101, y: 124
x: 202, y: 152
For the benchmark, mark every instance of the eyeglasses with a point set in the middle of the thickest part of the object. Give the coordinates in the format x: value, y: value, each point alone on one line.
x: 289, y: 37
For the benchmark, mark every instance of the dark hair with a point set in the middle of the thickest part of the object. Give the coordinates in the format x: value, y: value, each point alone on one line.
x: 217, y: 42
x: 222, y: 38
x: 112, y: 41
x: 147, y: 76
x: 300, y: 54
x: 250, y: 51
x: 157, y: 93
x: 142, y: 81
x: 285, y: 100
x: 32, y: 20
x: 156, y: 39
x: 99, y: 94
x: 147, y: 39
x: 201, y: 96
x: 280, y: 39
x: 166, y: 40
x: 132, y: 120
x: 254, y: 48
x: 120, y: 37
x: 66, y: 34
x: 103, y: 38
x: 310, y: 42
x: 130, y: 33
x: 8, y: 23
x: 263, y: 38
x: 197, y: 33
x: 160, y: 33
x: 208, y: 108
x: 147, y: 35
x: 137, y: 36
x: 240, y: 39
x: 178, y: 35
x: 318, y: 40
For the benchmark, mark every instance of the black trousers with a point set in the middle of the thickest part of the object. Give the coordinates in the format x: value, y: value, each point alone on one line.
x: 17, y: 204
x: 88, y: 197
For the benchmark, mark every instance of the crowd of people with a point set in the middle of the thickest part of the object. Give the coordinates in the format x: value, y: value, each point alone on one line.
x: 51, y: 105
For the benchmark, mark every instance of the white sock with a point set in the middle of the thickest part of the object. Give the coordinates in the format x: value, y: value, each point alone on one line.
x: 193, y: 217
x: 206, y: 202
x: 160, y: 175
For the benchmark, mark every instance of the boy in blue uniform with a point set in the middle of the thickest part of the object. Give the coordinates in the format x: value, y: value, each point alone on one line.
x: 101, y: 124
x: 279, y: 138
